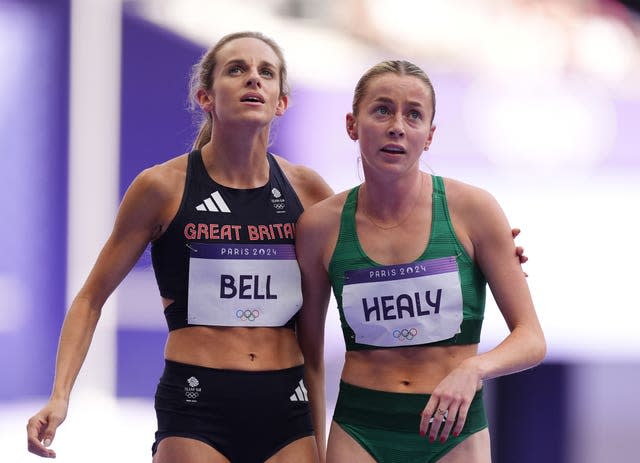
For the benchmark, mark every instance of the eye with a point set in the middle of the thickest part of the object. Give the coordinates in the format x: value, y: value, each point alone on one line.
x: 415, y: 114
x: 267, y: 73
x: 382, y: 110
x: 235, y: 69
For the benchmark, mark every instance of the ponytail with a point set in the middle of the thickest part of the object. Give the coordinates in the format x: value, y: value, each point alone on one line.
x: 204, y: 133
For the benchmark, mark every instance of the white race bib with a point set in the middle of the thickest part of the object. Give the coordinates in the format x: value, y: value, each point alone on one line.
x: 243, y: 284
x: 404, y: 305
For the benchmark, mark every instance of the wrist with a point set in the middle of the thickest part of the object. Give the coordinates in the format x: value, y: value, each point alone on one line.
x: 475, y: 366
x: 62, y: 396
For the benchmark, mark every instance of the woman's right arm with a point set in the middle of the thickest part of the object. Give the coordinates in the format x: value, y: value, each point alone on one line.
x: 312, y: 233
x: 139, y: 220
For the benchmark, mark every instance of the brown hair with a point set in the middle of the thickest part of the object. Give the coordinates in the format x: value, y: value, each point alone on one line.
x: 202, y: 78
x: 400, y: 67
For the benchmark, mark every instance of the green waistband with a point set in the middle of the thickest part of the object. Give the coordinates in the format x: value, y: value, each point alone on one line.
x: 395, y: 411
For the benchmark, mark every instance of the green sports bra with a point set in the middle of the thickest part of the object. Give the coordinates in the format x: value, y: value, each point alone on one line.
x: 437, y: 300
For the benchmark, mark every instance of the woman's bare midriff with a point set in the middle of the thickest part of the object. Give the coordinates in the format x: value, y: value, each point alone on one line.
x: 409, y: 369
x: 234, y: 348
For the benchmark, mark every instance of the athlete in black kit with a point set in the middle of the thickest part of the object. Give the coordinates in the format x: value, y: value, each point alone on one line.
x: 221, y: 221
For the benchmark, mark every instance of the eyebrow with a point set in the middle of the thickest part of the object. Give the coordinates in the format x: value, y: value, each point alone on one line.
x: 384, y: 99
x: 244, y: 63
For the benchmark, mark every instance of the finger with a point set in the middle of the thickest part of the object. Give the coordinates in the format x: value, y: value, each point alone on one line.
x: 426, y: 417
x: 515, y: 232
x: 38, y: 449
x: 439, y: 418
x: 521, y: 255
x: 34, y: 438
x: 49, y: 432
x: 447, y: 424
x: 462, y: 418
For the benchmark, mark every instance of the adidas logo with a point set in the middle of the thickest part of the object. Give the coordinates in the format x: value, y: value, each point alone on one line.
x: 213, y: 204
x: 300, y: 394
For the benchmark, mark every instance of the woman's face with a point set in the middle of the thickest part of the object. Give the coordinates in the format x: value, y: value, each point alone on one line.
x: 393, y: 125
x: 246, y: 84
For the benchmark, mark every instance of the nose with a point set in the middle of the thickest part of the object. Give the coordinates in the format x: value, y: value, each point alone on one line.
x: 253, y: 79
x: 396, y: 128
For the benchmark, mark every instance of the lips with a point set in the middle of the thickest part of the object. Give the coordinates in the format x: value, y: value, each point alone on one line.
x: 252, y: 98
x: 393, y: 149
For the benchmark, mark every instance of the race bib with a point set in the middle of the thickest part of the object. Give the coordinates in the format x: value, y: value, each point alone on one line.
x: 404, y: 305
x: 243, y: 284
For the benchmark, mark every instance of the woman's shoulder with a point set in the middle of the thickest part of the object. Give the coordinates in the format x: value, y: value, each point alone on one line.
x: 307, y: 183
x: 331, y: 205
x: 319, y: 225
x: 325, y: 215
x: 466, y: 196
x: 474, y: 210
x: 163, y: 180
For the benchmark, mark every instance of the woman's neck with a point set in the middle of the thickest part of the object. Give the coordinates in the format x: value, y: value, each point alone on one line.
x: 389, y: 204
x: 237, y: 161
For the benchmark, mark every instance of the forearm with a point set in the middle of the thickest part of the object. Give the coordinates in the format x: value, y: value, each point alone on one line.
x: 75, y: 340
x: 524, y: 348
x: 314, y: 379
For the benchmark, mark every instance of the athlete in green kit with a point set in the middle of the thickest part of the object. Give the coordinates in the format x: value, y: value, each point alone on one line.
x: 408, y: 256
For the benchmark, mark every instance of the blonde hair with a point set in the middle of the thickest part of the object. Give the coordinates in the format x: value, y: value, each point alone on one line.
x: 399, y: 67
x: 202, y: 78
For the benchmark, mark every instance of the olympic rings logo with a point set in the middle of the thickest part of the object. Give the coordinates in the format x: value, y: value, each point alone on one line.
x: 191, y: 395
x: 405, y: 334
x: 247, y: 314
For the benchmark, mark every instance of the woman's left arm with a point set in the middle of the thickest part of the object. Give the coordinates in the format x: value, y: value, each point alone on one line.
x: 490, y: 237
x: 492, y: 242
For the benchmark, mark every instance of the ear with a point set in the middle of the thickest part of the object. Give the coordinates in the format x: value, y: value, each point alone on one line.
x: 205, y: 100
x: 283, y: 104
x: 352, y: 127
x: 427, y: 144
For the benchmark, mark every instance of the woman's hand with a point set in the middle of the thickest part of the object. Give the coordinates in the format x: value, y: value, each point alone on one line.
x: 446, y: 411
x: 41, y: 428
x: 519, y: 249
